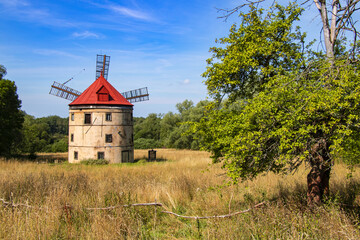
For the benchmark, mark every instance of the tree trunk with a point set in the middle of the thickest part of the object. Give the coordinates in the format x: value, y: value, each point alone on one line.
x: 329, y: 29
x: 319, y: 176
x: 318, y: 185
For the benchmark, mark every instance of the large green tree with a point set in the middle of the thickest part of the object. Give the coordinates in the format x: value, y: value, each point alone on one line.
x: 305, y: 109
x: 11, y: 118
x: 298, y: 117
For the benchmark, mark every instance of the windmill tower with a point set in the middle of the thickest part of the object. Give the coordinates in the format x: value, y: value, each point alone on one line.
x: 100, y: 118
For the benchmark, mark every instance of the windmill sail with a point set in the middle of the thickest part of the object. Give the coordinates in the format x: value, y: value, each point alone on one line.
x: 102, y: 66
x: 137, y: 95
x: 60, y: 90
x: 63, y: 91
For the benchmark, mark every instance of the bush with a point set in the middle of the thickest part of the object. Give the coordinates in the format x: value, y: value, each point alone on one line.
x: 60, y: 146
x: 95, y: 162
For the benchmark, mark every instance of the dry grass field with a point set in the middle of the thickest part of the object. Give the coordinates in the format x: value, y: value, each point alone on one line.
x: 56, y: 201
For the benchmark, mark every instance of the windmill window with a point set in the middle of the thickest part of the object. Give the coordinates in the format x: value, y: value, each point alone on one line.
x: 103, y: 97
x: 108, y: 117
x: 87, y: 118
x: 76, y: 155
x: 72, y: 137
x: 72, y: 117
x: 103, y: 94
x: 108, y: 138
x: 101, y: 155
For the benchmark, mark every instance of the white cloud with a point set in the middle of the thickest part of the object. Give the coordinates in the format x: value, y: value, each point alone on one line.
x: 130, y: 13
x: 86, y: 34
x: 14, y: 3
x: 26, y: 11
x: 186, y: 81
x: 51, y: 52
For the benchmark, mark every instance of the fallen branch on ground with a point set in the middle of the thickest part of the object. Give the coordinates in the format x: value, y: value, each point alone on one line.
x: 127, y: 205
x: 216, y: 216
x: 14, y: 205
x: 11, y: 204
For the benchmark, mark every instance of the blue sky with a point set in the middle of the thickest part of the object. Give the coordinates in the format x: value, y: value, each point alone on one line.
x: 162, y: 45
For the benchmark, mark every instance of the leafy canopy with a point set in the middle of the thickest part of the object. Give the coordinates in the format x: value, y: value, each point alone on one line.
x: 11, y: 117
x: 265, y: 44
x: 281, y: 100
x: 276, y: 130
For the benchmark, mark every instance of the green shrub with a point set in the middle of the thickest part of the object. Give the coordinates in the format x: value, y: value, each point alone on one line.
x: 95, y: 162
x: 59, y: 146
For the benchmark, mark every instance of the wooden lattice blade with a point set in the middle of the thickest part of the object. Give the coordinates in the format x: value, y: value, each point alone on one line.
x: 137, y: 95
x: 102, y: 65
x: 60, y: 90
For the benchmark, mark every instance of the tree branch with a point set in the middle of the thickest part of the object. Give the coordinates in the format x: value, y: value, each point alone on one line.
x: 127, y: 205
x: 333, y: 34
x: 5, y: 203
x: 215, y: 216
x: 11, y: 204
x: 229, y: 12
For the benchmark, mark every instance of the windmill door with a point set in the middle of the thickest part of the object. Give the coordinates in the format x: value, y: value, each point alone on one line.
x: 125, y: 156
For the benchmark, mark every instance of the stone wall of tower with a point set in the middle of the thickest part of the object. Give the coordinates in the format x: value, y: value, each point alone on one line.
x: 97, y: 132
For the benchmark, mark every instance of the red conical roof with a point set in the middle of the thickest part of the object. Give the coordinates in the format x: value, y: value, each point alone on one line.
x: 101, y: 92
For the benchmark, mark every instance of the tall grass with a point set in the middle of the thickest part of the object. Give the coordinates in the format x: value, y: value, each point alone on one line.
x: 185, y: 183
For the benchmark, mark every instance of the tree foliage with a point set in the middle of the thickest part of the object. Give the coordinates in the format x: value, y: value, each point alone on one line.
x: 11, y: 117
x: 147, y: 131
x: 47, y: 134
x: 337, y: 18
x: 169, y: 130
x: 177, y: 125
x: 265, y: 44
x: 2, y: 71
x: 298, y: 107
x: 278, y: 128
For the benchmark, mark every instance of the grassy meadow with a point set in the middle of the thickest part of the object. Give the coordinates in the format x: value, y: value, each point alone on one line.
x: 56, y: 201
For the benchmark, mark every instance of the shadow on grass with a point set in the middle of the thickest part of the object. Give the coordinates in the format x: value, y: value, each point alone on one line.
x: 48, y: 158
x: 55, y: 158
x: 145, y: 160
x: 347, y: 196
x: 344, y: 195
x: 292, y: 195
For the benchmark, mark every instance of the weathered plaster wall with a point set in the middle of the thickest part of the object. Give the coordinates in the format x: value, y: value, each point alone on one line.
x: 89, y: 139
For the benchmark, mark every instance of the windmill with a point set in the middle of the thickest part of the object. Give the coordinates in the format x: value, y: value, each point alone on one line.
x: 100, y: 118
x: 102, y: 67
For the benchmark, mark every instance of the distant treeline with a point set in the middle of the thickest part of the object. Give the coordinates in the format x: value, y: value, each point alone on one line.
x: 46, y: 134
x: 50, y: 134
x: 168, y: 130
